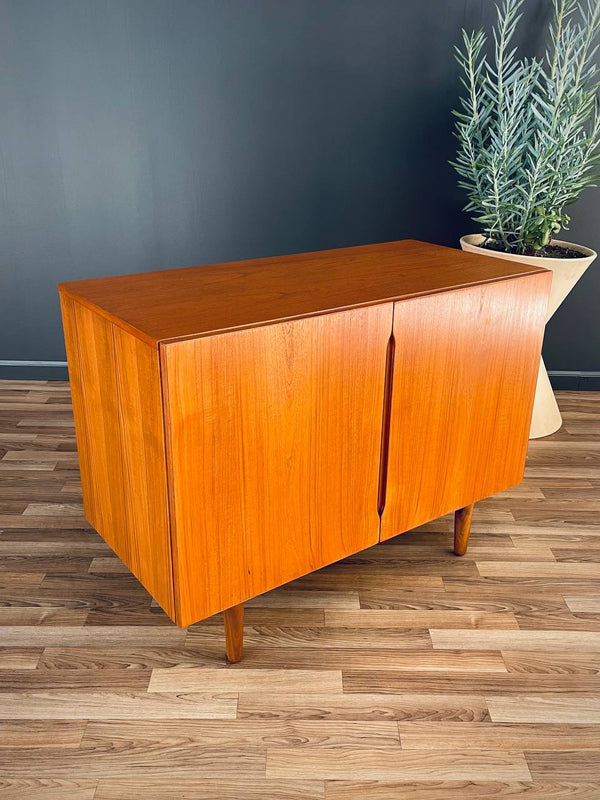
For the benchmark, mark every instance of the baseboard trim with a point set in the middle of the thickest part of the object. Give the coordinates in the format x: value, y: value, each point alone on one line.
x: 554, y: 372
x: 575, y: 380
x: 13, y: 370
x: 4, y: 363
x: 574, y: 373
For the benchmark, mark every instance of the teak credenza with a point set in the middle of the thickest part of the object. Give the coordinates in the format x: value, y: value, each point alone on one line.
x: 243, y: 424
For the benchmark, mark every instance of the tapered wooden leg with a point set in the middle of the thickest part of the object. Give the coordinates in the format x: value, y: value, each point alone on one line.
x: 462, y: 529
x: 234, y: 632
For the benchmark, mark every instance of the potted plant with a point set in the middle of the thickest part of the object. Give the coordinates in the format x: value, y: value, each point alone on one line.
x: 528, y: 132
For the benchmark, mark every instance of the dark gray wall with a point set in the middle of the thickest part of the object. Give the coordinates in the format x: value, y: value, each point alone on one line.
x: 143, y: 134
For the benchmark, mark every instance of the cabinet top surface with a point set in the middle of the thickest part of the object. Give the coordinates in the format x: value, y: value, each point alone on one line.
x: 174, y: 304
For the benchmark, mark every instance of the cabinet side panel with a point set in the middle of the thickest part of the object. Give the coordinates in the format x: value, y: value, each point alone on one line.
x: 81, y: 425
x: 144, y: 468
x: 465, y: 369
x: 115, y: 383
x: 100, y: 410
x: 274, y: 437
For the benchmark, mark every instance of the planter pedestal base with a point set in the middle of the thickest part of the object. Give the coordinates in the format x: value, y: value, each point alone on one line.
x: 546, y: 415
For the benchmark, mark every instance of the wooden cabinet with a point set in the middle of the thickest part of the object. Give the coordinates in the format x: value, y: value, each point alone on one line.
x: 241, y: 425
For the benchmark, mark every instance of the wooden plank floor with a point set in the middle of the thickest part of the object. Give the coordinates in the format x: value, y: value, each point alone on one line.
x: 403, y: 672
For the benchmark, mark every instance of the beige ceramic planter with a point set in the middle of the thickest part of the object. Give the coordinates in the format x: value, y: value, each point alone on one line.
x: 565, y: 274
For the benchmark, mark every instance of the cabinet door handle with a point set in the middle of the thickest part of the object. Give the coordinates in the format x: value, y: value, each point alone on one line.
x: 385, y: 424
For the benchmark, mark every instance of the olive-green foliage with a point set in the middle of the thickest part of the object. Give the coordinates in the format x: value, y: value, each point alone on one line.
x: 528, y: 129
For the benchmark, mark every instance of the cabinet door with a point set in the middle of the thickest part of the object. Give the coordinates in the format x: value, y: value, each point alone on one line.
x: 274, y: 441
x: 463, y: 381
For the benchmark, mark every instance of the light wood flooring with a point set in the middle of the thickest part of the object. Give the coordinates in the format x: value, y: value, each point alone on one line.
x: 403, y: 672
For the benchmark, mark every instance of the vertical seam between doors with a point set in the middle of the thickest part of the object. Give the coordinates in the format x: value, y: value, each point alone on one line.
x: 385, y: 421
x: 170, y: 499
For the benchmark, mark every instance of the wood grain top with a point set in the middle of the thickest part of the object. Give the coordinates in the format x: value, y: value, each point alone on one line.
x: 196, y: 301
